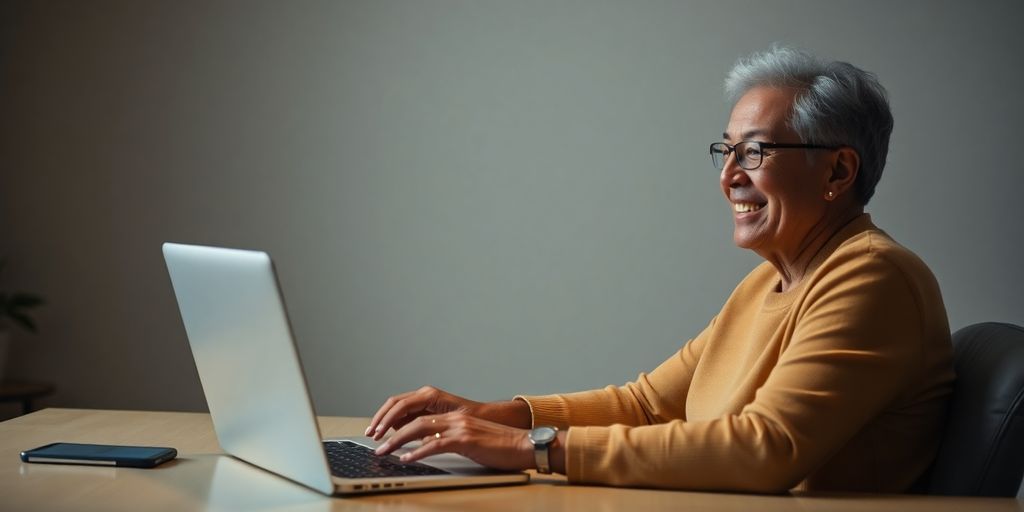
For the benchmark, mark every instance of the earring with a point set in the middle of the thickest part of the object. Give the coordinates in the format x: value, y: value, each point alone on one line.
x: 830, y: 195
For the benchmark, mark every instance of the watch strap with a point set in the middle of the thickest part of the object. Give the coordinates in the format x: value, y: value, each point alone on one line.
x: 540, y: 454
x: 542, y: 449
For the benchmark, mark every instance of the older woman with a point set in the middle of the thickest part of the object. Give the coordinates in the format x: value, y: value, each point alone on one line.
x: 829, y: 366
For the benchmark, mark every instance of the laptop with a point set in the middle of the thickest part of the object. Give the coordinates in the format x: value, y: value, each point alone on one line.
x: 234, y: 315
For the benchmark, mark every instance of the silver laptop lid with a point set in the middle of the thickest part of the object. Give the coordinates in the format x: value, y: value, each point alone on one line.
x: 242, y: 343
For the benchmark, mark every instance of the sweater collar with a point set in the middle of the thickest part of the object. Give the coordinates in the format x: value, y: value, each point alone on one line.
x: 856, y: 226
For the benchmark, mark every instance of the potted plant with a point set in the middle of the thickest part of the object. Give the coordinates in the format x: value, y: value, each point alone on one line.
x: 14, y: 308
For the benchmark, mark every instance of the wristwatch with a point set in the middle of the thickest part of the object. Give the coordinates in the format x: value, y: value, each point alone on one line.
x: 542, y: 438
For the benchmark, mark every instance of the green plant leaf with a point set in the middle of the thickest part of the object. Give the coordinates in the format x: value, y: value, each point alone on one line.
x: 23, y: 320
x: 26, y: 300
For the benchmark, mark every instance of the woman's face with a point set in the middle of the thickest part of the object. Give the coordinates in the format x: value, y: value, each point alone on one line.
x: 775, y: 206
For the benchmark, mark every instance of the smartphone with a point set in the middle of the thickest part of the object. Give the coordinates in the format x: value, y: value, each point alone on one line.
x: 100, y: 455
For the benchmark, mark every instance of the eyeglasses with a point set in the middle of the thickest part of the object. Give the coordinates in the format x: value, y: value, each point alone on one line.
x: 750, y: 153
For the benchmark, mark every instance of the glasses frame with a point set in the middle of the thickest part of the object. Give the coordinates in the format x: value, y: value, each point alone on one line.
x: 763, y: 145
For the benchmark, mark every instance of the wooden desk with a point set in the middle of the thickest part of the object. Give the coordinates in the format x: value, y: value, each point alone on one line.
x: 203, y: 479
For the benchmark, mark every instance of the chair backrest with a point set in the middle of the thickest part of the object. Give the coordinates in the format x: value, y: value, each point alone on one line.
x: 982, y: 452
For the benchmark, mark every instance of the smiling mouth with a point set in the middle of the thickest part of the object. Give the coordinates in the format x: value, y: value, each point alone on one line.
x: 746, y: 207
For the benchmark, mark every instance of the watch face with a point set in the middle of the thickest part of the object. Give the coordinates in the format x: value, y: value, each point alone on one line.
x: 543, y: 435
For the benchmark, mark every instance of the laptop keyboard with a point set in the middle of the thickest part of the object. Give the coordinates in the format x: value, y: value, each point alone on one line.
x: 351, y: 460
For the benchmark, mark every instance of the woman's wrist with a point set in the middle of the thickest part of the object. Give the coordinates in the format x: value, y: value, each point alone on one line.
x: 514, y: 413
x: 557, y: 453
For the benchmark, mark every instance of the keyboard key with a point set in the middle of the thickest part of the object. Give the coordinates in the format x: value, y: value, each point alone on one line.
x: 351, y: 460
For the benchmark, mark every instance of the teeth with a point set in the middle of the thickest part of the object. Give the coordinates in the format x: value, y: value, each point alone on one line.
x: 745, y: 207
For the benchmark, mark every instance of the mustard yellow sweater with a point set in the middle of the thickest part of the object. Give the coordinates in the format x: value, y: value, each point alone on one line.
x: 838, y: 384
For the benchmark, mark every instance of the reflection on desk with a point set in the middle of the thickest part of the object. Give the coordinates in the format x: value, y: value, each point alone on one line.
x: 237, y: 485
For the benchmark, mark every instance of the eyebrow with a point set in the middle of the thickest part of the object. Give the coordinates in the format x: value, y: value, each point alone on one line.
x: 748, y: 135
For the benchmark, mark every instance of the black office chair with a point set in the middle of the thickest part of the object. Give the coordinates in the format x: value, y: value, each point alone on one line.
x: 982, y: 452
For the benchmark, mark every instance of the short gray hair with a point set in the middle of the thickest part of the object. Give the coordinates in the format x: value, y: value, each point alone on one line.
x: 837, y: 104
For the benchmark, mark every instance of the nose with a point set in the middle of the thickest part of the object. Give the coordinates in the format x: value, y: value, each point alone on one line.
x: 733, y: 175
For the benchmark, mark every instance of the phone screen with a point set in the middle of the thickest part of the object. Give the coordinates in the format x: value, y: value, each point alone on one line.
x: 73, y: 450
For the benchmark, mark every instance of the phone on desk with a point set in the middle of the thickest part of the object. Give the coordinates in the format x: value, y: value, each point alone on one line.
x: 100, y: 455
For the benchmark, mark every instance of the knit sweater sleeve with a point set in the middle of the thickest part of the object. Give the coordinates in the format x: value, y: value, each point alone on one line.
x: 855, y: 347
x: 653, y: 398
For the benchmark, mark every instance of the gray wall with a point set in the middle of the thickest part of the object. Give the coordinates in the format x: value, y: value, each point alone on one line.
x: 493, y: 197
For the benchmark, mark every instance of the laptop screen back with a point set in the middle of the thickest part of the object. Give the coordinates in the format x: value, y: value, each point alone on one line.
x: 242, y: 343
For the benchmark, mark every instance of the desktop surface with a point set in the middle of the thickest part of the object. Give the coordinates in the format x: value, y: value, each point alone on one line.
x: 202, y: 478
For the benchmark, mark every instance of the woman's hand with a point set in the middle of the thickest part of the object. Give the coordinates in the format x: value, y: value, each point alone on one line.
x: 485, y: 442
x: 401, y: 409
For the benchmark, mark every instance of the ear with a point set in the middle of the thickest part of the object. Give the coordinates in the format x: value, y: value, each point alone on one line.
x: 844, y: 171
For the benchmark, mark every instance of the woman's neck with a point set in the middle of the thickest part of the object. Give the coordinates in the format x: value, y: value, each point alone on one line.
x: 793, y: 266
